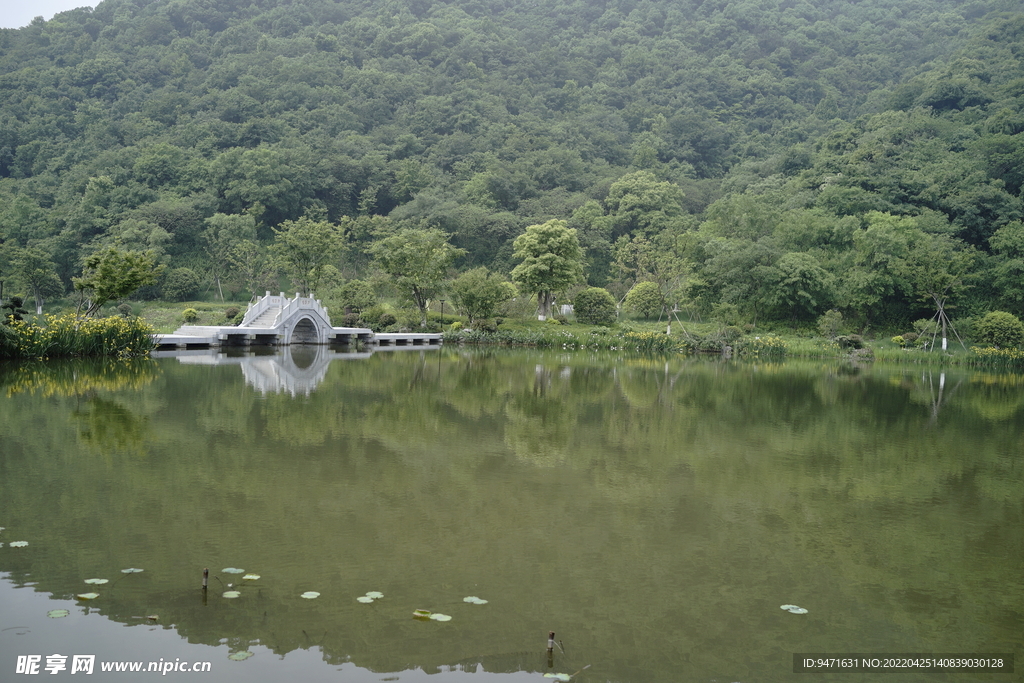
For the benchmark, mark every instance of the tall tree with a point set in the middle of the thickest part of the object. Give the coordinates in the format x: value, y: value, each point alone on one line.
x: 38, y: 273
x: 304, y: 247
x: 417, y: 263
x: 478, y: 293
x: 552, y: 259
x: 113, y: 274
x: 223, y: 233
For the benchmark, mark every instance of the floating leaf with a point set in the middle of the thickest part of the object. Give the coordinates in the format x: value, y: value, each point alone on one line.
x: 559, y: 677
x: 88, y: 596
x: 472, y: 599
x: 57, y: 613
x: 18, y: 544
x: 153, y: 617
x: 422, y: 613
x: 233, y: 570
x: 364, y: 599
x: 231, y: 594
x: 98, y: 582
x: 251, y: 577
x: 309, y: 595
x: 373, y: 595
x: 437, y: 616
x: 794, y: 609
x: 131, y: 570
x: 239, y: 656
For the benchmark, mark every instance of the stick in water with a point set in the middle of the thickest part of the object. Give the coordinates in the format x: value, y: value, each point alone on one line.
x: 206, y: 577
x: 551, y: 641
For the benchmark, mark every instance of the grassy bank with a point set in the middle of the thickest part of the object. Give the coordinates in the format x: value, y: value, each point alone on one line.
x: 710, y: 338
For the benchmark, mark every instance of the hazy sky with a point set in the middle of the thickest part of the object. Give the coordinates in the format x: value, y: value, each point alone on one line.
x: 18, y: 13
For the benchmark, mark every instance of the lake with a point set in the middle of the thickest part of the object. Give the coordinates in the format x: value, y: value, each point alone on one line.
x: 655, y: 513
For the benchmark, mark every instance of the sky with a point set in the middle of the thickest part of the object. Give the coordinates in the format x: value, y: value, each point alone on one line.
x: 18, y: 13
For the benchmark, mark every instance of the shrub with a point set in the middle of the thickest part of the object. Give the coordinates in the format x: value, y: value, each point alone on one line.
x: 899, y: 341
x: 925, y: 326
x: 726, y: 314
x: 125, y: 309
x: 190, y: 315
x: 830, y: 323
x: 350, y: 320
x: 371, y: 316
x: 1001, y: 329
x: 231, y: 313
x: 850, y: 341
x: 180, y: 284
x: 595, y: 306
x: 356, y: 295
x: 645, y: 299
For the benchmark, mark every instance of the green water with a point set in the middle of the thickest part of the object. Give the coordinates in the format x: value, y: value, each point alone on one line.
x: 654, y: 513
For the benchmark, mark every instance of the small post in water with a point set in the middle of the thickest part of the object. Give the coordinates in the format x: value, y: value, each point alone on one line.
x: 206, y: 577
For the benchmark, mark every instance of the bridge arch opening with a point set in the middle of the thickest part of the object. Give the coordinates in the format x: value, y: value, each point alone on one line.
x: 305, y: 332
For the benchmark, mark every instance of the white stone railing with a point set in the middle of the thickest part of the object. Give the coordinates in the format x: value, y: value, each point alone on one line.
x: 285, y: 305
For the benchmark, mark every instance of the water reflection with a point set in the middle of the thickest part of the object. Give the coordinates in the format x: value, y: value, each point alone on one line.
x: 296, y: 370
x: 655, y: 513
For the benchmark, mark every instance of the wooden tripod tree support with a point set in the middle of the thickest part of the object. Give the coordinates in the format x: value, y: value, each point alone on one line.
x: 942, y: 319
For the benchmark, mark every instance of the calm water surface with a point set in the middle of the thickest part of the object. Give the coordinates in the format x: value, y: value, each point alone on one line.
x: 654, y: 513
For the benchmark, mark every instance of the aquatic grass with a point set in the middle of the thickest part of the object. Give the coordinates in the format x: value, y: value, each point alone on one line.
x: 71, y: 336
x: 600, y: 338
x: 766, y: 347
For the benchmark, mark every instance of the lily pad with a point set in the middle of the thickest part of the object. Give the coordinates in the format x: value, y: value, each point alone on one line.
x: 98, y: 582
x: 18, y: 544
x: 239, y: 656
x: 794, y: 609
x: 309, y: 595
x: 437, y: 616
x: 366, y: 599
x: 559, y: 677
x: 473, y: 600
x: 231, y: 594
x: 57, y: 613
x: 233, y: 570
x: 131, y: 570
x: 422, y: 613
x: 88, y: 596
x: 251, y: 577
x: 373, y: 595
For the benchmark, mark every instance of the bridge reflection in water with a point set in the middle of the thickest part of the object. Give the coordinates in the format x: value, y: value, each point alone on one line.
x: 295, y: 370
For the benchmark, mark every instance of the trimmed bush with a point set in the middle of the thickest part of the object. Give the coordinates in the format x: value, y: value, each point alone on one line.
x: 1001, y: 329
x: 645, y: 299
x: 595, y: 306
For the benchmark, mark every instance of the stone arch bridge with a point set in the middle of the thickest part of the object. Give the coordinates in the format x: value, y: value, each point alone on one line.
x: 282, y: 321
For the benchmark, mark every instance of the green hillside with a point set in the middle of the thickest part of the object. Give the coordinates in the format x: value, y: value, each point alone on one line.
x: 785, y: 157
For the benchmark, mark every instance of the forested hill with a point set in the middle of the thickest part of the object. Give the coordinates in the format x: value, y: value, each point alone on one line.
x: 784, y: 156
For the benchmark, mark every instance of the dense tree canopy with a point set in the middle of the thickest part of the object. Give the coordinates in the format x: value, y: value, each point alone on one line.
x: 783, y: 157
